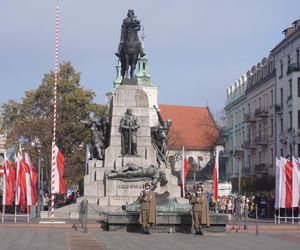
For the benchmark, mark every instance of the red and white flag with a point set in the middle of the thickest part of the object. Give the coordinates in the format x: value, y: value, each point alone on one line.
x: 20, y: 180
x: 296, y: 183
x: 8, y: 182
x: 33, y: 179
x: 59, y: 182
x: 185, y: 167
x: 216, y: 177
x: 285, y: 192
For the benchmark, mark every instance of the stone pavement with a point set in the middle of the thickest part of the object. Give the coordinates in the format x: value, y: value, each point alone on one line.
x: 62, y: 239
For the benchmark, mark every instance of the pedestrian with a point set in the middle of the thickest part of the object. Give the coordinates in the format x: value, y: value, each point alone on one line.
x: 200, y: 213
x: 148, y: 208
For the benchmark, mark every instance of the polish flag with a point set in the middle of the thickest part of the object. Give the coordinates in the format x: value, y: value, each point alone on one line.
x: 8, y: 182
x: 216, y: 177
x: 296, y: 183
x: 59, y: 182
x: 20, y: 180
x: 185, y: 167
x: 33, y: 178
x: 289, y: 187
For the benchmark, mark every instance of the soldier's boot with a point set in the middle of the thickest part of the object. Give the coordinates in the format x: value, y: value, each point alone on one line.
x: 200, y: 230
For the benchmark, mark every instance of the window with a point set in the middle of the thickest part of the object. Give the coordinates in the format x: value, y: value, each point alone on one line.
x: 259, y: 157
x: 291, y: 88
x: 259, y: 102
x: 291, y: 119
x: 298, y: 59
x: 272, y: 124
x: 281, y: 125
x: 298, y: 118
x: 281, y: 152
x: 271, y: 156
x: 298, y: 86
x: 281, y: 96
x: 272, y: 96
x: 298, y: 151
x: 281, y: 68
x: 289, y: 60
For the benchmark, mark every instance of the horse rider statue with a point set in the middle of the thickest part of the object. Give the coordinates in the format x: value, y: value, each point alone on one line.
x: 130, y: 47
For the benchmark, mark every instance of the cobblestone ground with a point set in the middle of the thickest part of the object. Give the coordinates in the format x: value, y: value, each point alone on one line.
x: 26, y: 239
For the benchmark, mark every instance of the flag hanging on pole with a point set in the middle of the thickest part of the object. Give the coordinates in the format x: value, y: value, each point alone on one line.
x: 59, y: 182
x: 33, y: 178
x: 289, y: 190
x: 8, y: 182
x: 296, y: 183
x: 20, y: 179
x: 216, y: 177
x: 184, y: 169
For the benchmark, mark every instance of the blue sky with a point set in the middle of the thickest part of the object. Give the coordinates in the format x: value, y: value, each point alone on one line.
x: 196, y: 48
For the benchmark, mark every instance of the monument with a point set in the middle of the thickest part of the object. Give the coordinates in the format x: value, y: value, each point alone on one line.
x: 130, y: 149
x: 135, y: 150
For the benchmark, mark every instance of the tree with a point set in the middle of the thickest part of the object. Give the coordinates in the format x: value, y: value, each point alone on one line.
x: 32, y: 118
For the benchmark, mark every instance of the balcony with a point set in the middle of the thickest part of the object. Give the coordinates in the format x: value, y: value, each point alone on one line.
x: 261, y: 112
x: 293, y: 67
x: 260, y: 168
x: 261, y: 140
x: 248, y: 118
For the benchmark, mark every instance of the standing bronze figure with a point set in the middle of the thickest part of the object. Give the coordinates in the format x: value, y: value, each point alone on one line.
x: 128, y: 127
x: 130, y: 46
x: 98, y: 126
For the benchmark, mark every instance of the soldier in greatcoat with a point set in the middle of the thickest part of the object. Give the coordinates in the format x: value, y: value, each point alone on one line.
x: 148, y: 208
x: 200, y: 213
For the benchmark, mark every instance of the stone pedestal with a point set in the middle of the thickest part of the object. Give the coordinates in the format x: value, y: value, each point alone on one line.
x: 112, y: 194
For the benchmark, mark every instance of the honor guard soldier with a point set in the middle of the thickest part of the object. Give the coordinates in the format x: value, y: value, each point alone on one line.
x: 148, y: 208
x: 200, y: 213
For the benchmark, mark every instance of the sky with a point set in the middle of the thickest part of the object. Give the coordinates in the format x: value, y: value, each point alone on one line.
x: 196, y: 48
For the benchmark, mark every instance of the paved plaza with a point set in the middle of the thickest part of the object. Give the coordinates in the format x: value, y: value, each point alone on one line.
x: 19, y: 239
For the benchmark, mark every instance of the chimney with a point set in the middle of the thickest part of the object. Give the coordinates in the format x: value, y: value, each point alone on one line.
x: 296, y: 24
x: 288, y: 31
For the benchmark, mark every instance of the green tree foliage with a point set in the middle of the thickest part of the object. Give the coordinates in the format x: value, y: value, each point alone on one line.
x: 254, y: 184
x: 32, y: 118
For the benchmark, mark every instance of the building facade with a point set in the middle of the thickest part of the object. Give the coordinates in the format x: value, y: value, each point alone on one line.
x: 259, y: 118
x: 287, y: 63
x: 236, y: 130
x: 269, y: 101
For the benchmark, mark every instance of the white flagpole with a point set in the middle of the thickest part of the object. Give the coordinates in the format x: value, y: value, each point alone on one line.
x: 182, y: 173
x: 54, y: 117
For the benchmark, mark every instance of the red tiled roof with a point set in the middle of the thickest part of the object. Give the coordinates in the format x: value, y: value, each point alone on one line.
x: 193, y: 127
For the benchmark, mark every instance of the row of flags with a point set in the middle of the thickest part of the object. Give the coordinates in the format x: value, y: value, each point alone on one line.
x: 185, y: 167
x: 287, y: 183
x: 20, y: 181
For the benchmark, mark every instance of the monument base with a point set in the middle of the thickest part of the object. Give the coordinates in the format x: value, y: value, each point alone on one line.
x: 167, y: 222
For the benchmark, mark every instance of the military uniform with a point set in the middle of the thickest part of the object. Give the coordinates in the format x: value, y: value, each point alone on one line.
x: 200, y: 213
x: 148, y: 209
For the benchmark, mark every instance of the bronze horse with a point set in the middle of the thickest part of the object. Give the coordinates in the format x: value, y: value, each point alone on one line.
x: 130, y: 52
